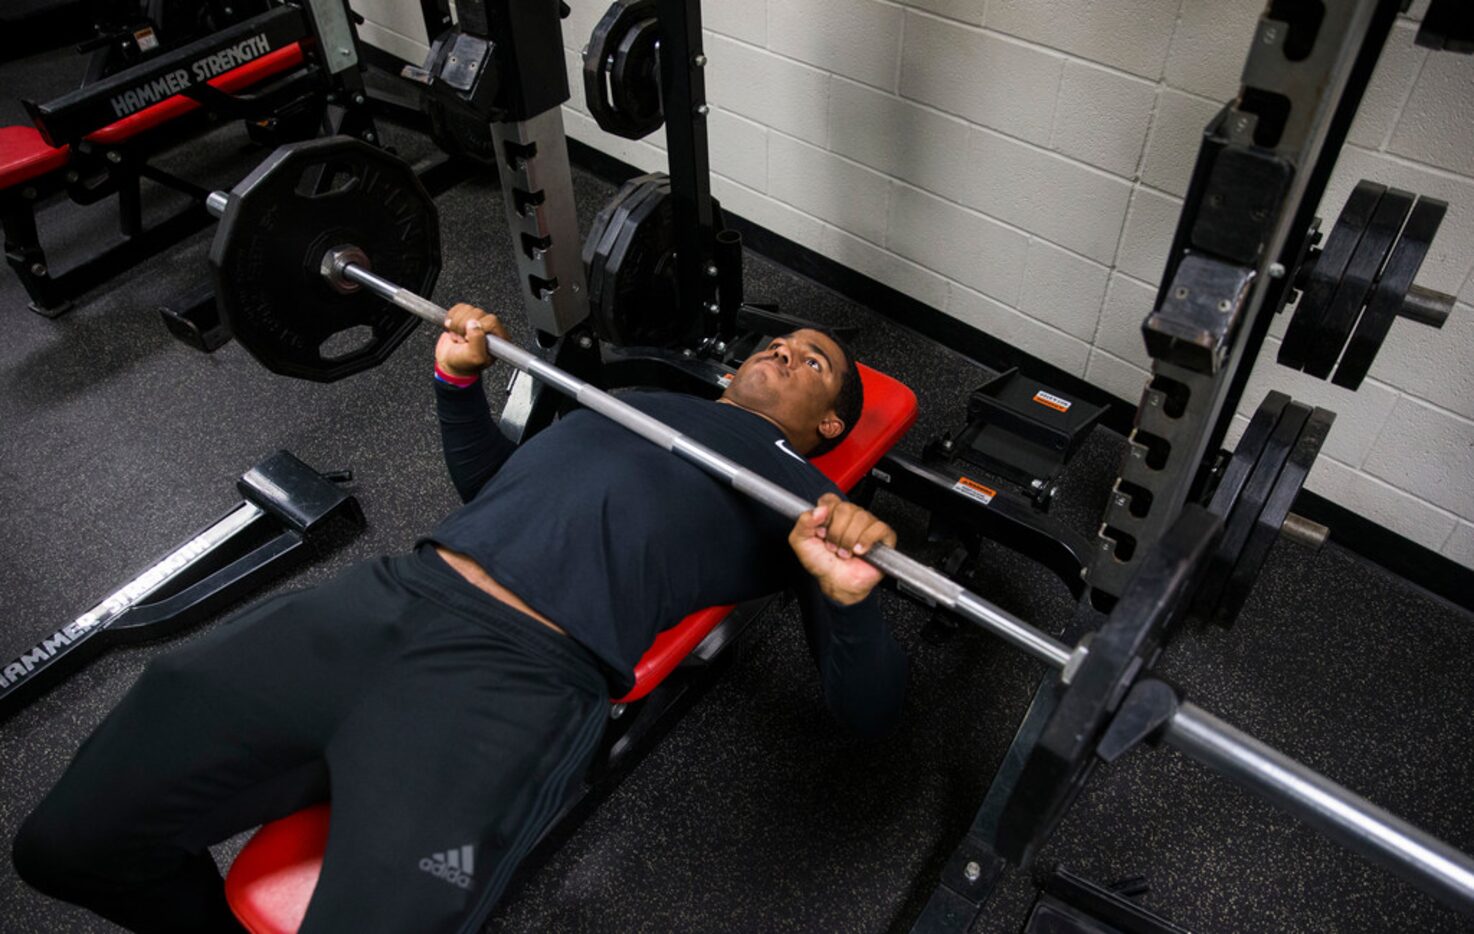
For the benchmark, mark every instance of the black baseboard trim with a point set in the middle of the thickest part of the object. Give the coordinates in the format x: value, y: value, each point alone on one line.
x: 1435, y: 573
x: 1424, y: 567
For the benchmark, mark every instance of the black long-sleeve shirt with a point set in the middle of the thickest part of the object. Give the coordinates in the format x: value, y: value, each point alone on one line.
x: 615, y: 539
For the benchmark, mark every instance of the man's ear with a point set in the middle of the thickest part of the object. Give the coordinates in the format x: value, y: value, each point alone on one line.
x: 831, y: 425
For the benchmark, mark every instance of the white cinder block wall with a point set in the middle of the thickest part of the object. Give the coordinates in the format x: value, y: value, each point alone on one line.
x: 1020, y: 165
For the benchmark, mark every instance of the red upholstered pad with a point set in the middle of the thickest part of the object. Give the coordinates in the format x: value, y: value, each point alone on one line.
x: 24, y: 155
x: 890, y: 411
x: 237, y: 79
x: 270, y: 883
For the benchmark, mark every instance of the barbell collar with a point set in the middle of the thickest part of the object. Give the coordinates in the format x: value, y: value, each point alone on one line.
x: 335, y: 263
x: 1349, y: 819
x: 1340, y: 814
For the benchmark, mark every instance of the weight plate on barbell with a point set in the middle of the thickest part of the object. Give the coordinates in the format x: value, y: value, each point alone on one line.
x: 1059, y: 763
x: 302, y: 201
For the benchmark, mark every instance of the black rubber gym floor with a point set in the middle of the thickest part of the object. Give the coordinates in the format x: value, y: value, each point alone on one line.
x: 753, y: 814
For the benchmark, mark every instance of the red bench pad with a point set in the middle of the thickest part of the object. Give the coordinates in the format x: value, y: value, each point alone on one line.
x: 890, y: 411
x: 24, y: 155
x: 270, y: 883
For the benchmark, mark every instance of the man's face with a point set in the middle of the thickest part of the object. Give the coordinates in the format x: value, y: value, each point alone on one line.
x: 794, y: 381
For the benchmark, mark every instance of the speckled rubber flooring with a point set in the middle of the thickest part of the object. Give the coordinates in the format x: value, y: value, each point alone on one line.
x: 752, y: 814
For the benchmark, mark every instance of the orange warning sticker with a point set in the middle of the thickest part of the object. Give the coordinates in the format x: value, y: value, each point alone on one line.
x: 1052, y: 401
x: 975, y: 490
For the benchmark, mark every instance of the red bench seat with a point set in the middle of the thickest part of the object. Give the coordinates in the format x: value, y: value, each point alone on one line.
x: 24, y: 155
x: 271, y: 882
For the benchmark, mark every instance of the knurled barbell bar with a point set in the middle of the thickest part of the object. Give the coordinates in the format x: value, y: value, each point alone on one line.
x: 337, y: 261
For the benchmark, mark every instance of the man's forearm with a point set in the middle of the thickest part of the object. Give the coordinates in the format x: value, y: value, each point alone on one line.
x: 862, y: 668
x: 474, y: 448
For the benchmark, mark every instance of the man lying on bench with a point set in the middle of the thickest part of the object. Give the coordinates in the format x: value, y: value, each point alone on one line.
x: 449, y: 699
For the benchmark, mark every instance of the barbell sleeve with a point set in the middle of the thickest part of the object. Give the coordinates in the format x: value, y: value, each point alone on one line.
x: 1335, y: 811
x: 1351, y: 820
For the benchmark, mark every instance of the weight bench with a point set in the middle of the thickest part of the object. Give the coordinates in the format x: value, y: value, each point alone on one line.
x: 102, y: 162
x: 271, y: 881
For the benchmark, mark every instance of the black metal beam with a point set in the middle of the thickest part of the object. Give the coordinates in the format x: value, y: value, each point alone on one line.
x: 683, y: 93
x: 74, y: 115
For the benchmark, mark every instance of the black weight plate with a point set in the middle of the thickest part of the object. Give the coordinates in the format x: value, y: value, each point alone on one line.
x: 597, y: 230
x: 1060, y: 762
x: 1246, y: 509
x: 459, y: 134
x: 1392, y: 287
x: 634, y: 80
x: 619, y: 268
x: 594, y: 276
x: 303, y: 200
x: 613, y: 216
x: 1448, y: 25
x: 647, y: 229
x: 1266, y: 529
x: 607, y: 225
x: 1356, y: 286
x: 1326, y: 274
x: 1246, y: 453
x: 638, y: 302
x: 1230, y: 487
x: 598, y: 62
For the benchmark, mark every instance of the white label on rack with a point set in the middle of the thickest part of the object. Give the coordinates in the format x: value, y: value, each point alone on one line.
x: 1053, y: 401
x: 974, y: 490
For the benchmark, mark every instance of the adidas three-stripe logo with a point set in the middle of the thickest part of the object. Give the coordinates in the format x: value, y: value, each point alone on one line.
x: 454, y: 866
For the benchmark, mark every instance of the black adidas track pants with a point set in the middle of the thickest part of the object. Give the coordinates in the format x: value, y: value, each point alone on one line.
x: 446, y: 727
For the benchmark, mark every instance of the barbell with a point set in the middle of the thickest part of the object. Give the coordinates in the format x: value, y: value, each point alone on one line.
x: 318, y: 222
